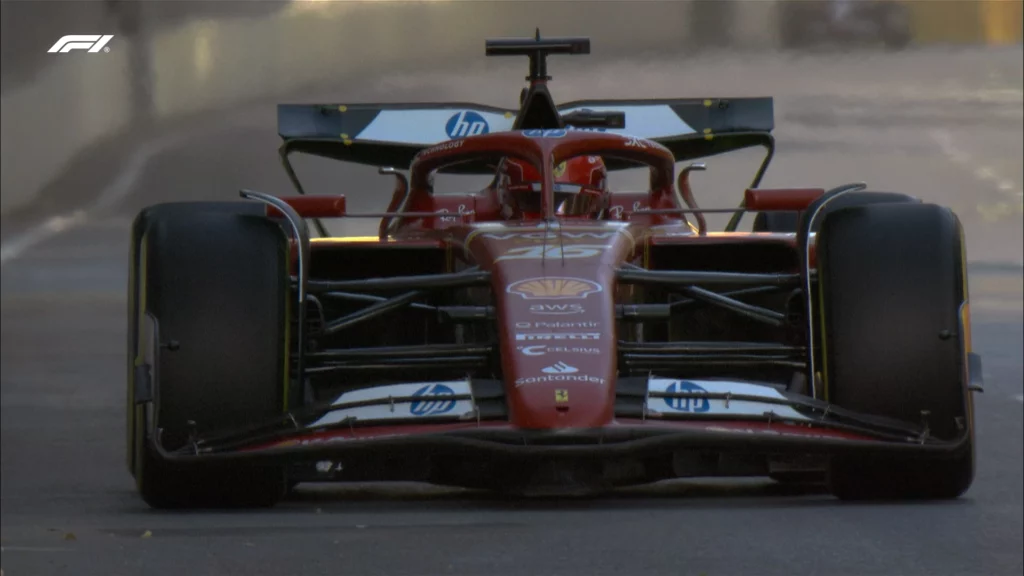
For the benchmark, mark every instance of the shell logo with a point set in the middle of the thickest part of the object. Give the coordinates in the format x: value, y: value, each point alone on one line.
x: 554, y: 288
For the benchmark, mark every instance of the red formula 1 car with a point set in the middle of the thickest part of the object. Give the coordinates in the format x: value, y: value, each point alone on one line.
x: 547, y: 335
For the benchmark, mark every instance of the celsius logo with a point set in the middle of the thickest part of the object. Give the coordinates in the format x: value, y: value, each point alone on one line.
x: 690, y: 404
x: 466, y: 123
x: 560, y: 368
x: 540, y: 350
x: 432, y: 405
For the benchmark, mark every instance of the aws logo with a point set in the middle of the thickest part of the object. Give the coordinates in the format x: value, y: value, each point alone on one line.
x: 556, y: 309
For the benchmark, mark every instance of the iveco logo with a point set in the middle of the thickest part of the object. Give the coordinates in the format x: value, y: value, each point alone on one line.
x: 560, y: 368
x: 431, y: 405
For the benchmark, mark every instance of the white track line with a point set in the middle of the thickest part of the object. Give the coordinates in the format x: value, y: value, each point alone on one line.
x: 33, y: 549
x: 1012, y: 192
x: 117, y: 191
x: 111, y: 195
x: 114, y: 193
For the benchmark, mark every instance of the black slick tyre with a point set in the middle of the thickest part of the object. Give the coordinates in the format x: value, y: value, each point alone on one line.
x: 208, y: 290
x: 789, y: 222
x: 894, y: 342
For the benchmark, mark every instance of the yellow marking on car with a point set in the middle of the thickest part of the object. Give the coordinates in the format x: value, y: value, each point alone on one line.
x: 348, y: 239
x: 140, y: 410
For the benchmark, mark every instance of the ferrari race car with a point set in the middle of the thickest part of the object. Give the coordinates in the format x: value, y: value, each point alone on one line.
x: 547, y: 335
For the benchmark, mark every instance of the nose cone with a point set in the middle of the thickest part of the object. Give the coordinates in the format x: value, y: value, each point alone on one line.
x: 554, y: 298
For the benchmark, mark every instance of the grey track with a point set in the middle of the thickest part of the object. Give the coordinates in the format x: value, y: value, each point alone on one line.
x: 68, y: 505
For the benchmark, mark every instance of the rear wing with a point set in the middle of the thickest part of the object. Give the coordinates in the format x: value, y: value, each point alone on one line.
x: 392, y: 134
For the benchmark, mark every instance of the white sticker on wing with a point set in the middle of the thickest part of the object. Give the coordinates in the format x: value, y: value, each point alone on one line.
x: 697, y: 405
x: 430, y: 126
x: 435, y: 402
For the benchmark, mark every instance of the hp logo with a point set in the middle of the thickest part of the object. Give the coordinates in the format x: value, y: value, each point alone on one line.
x: 432, y: 406
x: 686, y: 404
x: 466, y: 123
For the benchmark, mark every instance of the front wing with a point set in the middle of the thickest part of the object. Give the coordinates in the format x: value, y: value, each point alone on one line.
x: 468, y: 419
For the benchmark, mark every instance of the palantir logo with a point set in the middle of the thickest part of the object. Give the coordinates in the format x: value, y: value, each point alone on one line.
x: 432, y: 406
x: 466, y: 123
x: 686, y: 404
x: 91, y: 42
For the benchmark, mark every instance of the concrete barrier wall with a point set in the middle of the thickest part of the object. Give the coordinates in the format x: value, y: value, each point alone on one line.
x: 221, y: 61
x: 46, y: 122
x: 217, y: 62
x: 209, y: 64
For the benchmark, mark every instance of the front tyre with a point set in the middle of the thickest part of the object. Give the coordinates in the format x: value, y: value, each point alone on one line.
x: 208, y: 316
x: 895, y: 338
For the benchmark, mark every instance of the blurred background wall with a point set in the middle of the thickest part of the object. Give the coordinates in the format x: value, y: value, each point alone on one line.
x: 175, y: 58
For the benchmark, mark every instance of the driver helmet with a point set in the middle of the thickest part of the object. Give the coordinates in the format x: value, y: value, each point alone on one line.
x: 580, y: 187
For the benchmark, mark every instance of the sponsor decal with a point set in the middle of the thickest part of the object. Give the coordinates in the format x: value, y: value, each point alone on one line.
x: 559, y: 170
x: 550, y: 378
x: 553, y: 252
x: 618, y: 211
x: 559, y: 336
x: 548, y: 133
x: 443, y: 147
x: 634, y: 142
x: 552, y: 235
x: 432, y: 406
x: 560, y: 368
x: 462, y: 210
x: 738, y: 408
x: 696, y: 405
x: 556, y: 309
x: 541, y: 350
x: 561, y: 396
x: 425, y: 399
x: 554, y: 288
x: 556, y: 324
x: 466, y: 123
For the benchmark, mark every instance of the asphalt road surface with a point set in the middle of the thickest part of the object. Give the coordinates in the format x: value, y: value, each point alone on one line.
x: 944, y: 126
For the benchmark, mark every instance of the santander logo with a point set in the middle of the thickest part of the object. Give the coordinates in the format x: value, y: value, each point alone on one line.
x: 560, y: 368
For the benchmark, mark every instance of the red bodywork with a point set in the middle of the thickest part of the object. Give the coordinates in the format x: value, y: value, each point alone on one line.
x: 552, y: 280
